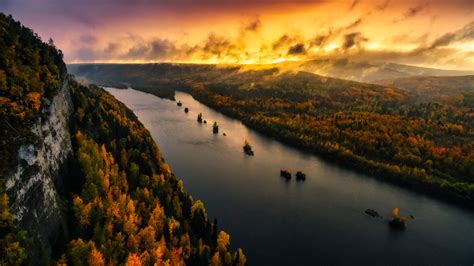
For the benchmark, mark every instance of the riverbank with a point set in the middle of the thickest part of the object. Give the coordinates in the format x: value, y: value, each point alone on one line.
x: 319, y: 217
x: 458, y: 193
x: 427, y: 185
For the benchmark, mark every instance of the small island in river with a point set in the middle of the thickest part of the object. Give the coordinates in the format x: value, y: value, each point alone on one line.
x: 248, y: 149
x: 286, y: 174
x: 300, y: 176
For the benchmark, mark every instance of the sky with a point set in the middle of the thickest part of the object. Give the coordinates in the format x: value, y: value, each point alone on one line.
x: 432, y: 33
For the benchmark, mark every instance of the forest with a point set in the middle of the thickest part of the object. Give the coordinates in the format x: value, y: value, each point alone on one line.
x: 399, y: 135
x: 30, y: 73
x: 131, y: 207
x: 123, y: 204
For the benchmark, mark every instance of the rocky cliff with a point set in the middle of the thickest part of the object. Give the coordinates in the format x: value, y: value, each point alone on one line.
x: 33, y: 183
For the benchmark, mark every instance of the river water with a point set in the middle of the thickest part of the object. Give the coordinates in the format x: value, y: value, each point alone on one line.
x: 276, y: 222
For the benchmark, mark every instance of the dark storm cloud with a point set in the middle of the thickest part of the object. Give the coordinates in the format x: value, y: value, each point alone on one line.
x: 297, y: 49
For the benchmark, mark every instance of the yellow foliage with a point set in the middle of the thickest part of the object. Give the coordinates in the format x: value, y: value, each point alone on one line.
x: 216, y: 260
x: 133, y: 260
x: 223, y: 240
x: 95, y: 258
x: 395, y: 213
x: 34, y: 99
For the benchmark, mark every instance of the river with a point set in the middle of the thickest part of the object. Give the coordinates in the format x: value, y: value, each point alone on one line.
x: 318, y: 221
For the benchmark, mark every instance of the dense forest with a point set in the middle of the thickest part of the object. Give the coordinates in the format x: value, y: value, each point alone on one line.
x: 131, y: 207
x: 30, y: 73
x: 426, y: 143
x: 122, y: 203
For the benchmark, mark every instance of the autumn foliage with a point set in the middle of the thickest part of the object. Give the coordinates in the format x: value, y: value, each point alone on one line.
x: 131, y: 208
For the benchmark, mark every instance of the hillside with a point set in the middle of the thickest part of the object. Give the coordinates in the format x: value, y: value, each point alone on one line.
x: 457, y: 89
x: 83, y: 182
x: 364, y: 71
x: 386, y: 132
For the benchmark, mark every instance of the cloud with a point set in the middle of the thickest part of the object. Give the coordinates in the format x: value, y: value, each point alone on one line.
x: 88, y: 39
x: 297, y: 49
x: 443, y: 40
x: 253, y: 25
x: 354, y: 4
x: 383, y: 5
x: 412, y: 12
x: 346, y: 40
x: 353, y: 39
x: 284, y: 41
x: 466, y: 33
x: 218, y: 45
x: 354, y: 24
x: 320, y: 40
x: 157, y: 49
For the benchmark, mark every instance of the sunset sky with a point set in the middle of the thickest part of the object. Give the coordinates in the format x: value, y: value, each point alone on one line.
x: 436, y: 33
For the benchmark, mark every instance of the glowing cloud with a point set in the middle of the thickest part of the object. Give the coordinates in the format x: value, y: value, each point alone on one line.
x: 424, y: 32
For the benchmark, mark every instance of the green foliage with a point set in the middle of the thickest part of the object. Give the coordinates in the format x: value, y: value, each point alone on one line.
x: 10, y: 237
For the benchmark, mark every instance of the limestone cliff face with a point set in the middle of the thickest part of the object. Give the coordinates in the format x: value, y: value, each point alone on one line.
x: 33, y: 184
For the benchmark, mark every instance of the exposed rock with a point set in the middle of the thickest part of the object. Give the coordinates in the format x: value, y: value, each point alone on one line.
x: 32, y: 185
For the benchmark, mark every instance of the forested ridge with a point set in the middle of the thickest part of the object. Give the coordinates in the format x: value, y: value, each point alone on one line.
x: 381, y: 131
x: 421, y: 138
x: 131, y: 207
x: 122, y: 203
x: 30, y: 73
